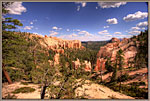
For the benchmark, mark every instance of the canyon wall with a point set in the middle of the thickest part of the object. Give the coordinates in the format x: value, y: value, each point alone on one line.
x: 110, y: 50
x: 57, y: 43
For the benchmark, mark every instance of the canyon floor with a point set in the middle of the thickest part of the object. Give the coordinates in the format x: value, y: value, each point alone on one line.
x: 89, y: 90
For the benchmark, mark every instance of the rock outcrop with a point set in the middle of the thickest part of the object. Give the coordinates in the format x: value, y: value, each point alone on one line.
x: 110, y: 50
x: 100, y: 64
x: 56, y: 59
x: 87, y: 66
x: 57, y: 43
x: 76, y: 64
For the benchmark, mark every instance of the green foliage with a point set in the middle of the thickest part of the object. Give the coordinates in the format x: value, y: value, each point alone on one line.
x: 9, y: 23
x: 52, y: 53
x: 108, y: 65
x: 138, y: 83
x: 141, y: 58
x: 23, y: 90
x: 15, y: 75
x: 16, y: 53
x: 89, y: 55
x: 24, y: 83
x: 132, y: 90
x: 94, y: 45
x: 123, y: 77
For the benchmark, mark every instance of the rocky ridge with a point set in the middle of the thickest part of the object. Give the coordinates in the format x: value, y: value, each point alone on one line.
x: 110, y: 50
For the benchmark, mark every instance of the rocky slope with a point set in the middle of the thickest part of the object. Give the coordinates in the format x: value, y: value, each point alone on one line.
x: 110, y: 50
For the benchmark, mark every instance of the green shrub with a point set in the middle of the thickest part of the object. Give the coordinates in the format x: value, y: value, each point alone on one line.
x: 24, y: 83
x: 23, y: 90
x: 123, y: 77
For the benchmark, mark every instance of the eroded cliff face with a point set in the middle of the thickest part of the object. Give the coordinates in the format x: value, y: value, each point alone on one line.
x: 110, y: 50
x: 57, y: 43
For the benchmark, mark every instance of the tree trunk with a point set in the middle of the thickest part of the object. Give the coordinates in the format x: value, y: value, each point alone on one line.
x: 43, y: 91
x: 6, y: 75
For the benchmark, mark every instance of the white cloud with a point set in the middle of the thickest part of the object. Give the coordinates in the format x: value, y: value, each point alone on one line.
x: 143, y: 28
x: 112, y: 21
x: 31, y: 22
x: 67, y: 30
x: 96, y: 7
x: 28, y: 27
x: 55, y: 28
x: 38, y: 34
x: 135, y: 28
x: 142, y: 24
x: 78, y: 8
x: 85, y: 33
x: 78, y: 30
x: 103, y: 32
x: 106, y: 26
x: 123, y: 36
x: 16, y: 8
x: 83, y: 4
x: 110, y: 4
x: 136, y: 16
x: 86, y: 38
x: 117, y: 33
x: 53, y: 33
x: 108, y: 35
x: 59, y: 28
x: 134, y: 32
x: 74, y: 35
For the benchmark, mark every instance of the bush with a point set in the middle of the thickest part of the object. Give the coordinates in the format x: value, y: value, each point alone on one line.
x: 23, y: 90
x: 24, y: 83
x: 123, y: 77
x: 15, y: 75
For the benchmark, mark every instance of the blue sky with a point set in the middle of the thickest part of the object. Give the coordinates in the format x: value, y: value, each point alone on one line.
x: 85, y: 21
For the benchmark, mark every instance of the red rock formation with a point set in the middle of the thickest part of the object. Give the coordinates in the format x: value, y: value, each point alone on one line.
x: 56, y: 59
x: 56, y: 43
x: 50, y: 62
x: 87, y: 66
x: 76, y: 64
x: 100, y: 64
x: 111, y: 49
x: 115, y: 40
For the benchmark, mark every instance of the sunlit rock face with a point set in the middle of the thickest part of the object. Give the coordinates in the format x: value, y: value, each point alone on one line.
x: 56, y: 59
x: 87, y: 66
x: 57, y: 43
x: 110, y: 50
x: 115, y: 40
x: 76, y: 64
x: 100, y: 64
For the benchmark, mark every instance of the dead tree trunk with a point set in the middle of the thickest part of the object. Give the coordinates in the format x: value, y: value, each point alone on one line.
x: 43, y: 91
x: 6, y: 75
